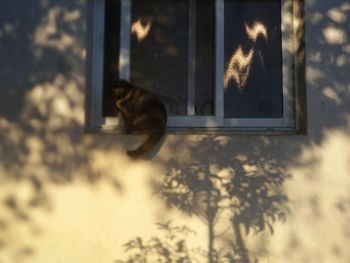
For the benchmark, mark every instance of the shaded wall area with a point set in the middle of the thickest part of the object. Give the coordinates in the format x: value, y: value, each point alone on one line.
x: 71, y: 197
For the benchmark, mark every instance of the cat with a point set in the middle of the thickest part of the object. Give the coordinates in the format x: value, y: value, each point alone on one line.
x: 143, y: 112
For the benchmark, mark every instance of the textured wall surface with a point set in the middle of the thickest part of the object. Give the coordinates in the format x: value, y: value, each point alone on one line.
x: 67, y: 196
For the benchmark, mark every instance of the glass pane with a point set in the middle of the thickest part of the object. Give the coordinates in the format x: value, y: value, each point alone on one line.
x: 253, y: 59
x: 159, y: 47
x: 160, y: 57
x: 111, y: 54
x: 205, y: 54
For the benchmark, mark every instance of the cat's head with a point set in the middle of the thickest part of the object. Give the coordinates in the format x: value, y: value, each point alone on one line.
x: 120, y: 88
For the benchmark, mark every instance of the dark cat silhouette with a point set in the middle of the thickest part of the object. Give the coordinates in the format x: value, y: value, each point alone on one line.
x: 143, y: 112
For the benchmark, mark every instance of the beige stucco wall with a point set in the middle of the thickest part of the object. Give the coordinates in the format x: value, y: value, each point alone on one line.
x: 66, y: 196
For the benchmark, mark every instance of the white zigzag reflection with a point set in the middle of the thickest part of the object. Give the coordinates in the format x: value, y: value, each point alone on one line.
x: 238, y: 68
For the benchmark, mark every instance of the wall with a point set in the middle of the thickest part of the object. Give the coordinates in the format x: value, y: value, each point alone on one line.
x: 67, y: 196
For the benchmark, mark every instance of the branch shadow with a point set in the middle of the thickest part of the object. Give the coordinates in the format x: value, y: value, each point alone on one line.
x: 169, y: 246
x: 234, y: 192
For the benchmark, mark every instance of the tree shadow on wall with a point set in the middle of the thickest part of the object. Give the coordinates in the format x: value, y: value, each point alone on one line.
x: 233, y: 193
x: 247, y: 188
x: 42, y: 140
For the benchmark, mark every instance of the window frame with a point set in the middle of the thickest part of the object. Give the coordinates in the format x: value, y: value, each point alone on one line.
x: 293, y: 70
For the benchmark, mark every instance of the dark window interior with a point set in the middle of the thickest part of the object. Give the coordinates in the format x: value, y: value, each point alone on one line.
x: 111, y: 54
x: 253, y: 59
x: 205, y: 57
x: 160, y: 61
x: 159, y: 52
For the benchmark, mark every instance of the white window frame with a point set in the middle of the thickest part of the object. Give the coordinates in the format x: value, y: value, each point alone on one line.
x: 96, y: 122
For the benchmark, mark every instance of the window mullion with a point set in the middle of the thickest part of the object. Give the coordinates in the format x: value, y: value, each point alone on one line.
x: 191, y: 80
x: 95, y: 119
x: 125, y: 25
x: 287, y: 65
x: 219, y: 90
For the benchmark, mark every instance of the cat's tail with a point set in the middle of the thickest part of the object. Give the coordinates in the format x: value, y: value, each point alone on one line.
x: 147, y: 145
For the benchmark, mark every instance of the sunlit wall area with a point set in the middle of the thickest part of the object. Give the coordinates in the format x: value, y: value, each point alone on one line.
x: 69, y: 196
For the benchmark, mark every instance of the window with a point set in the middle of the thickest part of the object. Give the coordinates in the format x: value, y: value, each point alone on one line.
x: 222, y: 66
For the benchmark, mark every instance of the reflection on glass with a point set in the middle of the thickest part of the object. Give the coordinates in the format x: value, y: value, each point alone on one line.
x: 238, y: 68
x: 253, y: 59
x: 141, y: 30
x: 257, y: 29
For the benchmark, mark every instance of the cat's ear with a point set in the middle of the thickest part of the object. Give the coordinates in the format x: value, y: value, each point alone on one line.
x: 120, y: 82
